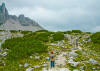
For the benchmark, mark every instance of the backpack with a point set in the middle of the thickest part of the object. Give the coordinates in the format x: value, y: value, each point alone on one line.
x: 52, y: 56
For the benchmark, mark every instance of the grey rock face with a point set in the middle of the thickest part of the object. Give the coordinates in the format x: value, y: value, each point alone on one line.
x: 14, y: 17
x: 16, y: 23
x: 25, y: 21
x: 3, y: 14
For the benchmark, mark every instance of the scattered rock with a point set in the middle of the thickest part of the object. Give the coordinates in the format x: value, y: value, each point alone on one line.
x: 1, y: 50
x: 26, y: 64
x: 53, y: 44
x: 20, y: 65
x: 63, y: 69
x: 44, y: 65
x: 94, y: 68
x: 76, y: 70
x: 31, y: 57
x: 73, y: 54
x: 64, y: 47
x: 82, y: 67
x: 6, y: 49
x: 4, y: 54
x: 65, y: 54
x: 29, y: 69
x: 44, y: 69
x: 92, y: 61
x: 37, y: 57
x: 74, y: 64
x: 36, y: 66
x: 4, y: 63
x: 89, y: 40
x: 47, y: 58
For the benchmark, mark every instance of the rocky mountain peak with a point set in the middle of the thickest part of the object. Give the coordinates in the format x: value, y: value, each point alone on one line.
x: 3, y: 8
x: 21, y: 16
x: 20, y: 23
x: 3, y: 14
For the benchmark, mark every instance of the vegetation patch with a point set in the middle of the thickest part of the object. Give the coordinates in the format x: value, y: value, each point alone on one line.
x: 21, y: 48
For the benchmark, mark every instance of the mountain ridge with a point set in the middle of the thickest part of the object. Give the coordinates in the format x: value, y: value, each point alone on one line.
x: 12, y: 22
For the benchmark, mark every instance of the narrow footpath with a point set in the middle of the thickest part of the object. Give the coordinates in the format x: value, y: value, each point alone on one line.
x: 60, y: 61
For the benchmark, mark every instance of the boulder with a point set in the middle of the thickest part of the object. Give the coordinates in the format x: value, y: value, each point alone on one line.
x: 4, y: 54
x: 92, y: 61
x: 74, y: 64
x: 73, y: 54
x: 26, y: 65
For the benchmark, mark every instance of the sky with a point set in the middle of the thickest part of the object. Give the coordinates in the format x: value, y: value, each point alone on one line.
x: 59, y: 15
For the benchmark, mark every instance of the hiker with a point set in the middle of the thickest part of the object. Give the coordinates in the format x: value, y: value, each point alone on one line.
x: 52, y: 60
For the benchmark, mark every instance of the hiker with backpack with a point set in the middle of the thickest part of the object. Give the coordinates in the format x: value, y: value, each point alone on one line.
x: 52, y: 59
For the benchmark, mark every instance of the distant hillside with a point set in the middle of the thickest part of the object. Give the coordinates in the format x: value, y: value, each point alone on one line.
x: 12, y: 22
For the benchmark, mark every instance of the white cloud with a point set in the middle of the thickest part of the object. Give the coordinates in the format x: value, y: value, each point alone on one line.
x: 96, y: 29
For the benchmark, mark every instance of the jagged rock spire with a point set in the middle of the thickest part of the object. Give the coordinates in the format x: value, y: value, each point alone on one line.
x: 3, y: 13
x: 3, y: 7
x: 12, y: 22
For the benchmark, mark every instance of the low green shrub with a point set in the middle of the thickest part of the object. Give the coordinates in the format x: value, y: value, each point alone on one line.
x: 20, y: 47
x: 96, y: 38
x: 58, y: 36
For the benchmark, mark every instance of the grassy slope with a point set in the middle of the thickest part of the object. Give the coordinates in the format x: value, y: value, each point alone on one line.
x: 20, y: 49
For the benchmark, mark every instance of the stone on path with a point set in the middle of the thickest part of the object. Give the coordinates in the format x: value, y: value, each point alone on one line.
x: 76, y: 70
x: 63, y: 69
x: 55, y: 69
x: 44, y: 65
x: 44, y: 69
x: 60, y: 59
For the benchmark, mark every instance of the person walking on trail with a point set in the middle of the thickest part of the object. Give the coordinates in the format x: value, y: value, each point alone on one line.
x: 52, y: 59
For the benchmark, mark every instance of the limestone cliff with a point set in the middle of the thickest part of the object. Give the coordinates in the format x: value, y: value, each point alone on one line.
x: 12, y: 22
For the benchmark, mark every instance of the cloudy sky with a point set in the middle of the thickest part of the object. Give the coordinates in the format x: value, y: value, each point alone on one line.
x: 59, y: 15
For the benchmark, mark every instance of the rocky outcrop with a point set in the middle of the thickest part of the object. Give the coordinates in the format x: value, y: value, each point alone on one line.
x: 25, y: 21
x: 3, y: 14
x: 12, y: 22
